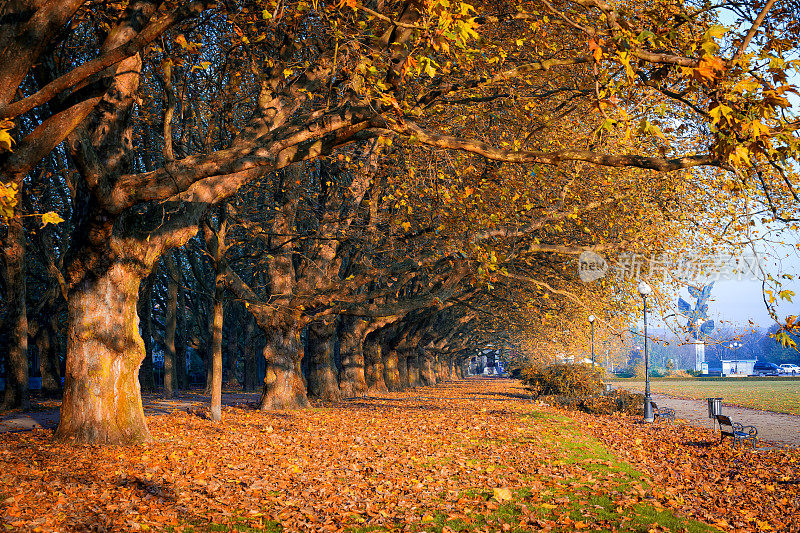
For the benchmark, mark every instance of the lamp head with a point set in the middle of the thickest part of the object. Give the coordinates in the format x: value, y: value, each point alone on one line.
x: 644, y: 289
x: 590, y: 319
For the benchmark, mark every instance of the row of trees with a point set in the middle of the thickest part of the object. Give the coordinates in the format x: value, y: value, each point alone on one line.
x: 392, y: 182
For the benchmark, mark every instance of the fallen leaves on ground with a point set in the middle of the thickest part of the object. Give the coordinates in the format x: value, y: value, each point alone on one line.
x: 474, y: 455
x: 734, y: 488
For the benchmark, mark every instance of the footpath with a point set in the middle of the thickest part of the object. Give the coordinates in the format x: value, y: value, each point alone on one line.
x: 776, y: 427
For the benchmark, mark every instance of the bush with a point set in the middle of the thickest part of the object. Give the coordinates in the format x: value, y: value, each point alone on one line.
x: 569, y: 381
x: 617, y: 401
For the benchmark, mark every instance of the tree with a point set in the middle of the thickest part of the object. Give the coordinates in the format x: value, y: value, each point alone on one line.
x: 299, y: 82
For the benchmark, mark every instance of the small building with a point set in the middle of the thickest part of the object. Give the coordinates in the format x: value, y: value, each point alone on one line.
x: 737, y: 367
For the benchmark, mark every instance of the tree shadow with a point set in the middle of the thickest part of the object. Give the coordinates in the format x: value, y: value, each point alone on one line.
x: 159, y: 489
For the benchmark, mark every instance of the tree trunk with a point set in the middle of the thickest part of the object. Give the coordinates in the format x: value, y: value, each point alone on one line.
x: 283, y: 383
x: 231, y: 380
x: 352, y: 381
x: 16, y: 321
x: 322, y: 375
x: 391, y: 369
x: 46, y: 340
x: 427, y: 371
x: 412, y: 363
x: 181, y: 372
x: 216, y: 350
x: 402, y: 371
x: 250, y: 370
x: 102, y: 401
x: 170, y: 326
x: 373, y: 365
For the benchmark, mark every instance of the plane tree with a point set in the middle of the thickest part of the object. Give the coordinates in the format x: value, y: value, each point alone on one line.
x: 312, y: 78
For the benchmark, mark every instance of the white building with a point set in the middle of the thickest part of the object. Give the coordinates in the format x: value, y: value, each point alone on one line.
x: 737, y: 367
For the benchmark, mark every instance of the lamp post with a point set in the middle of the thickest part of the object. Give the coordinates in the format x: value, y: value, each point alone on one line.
x: 735, y: 346
x: 644, y: 290
x: 591, y: 322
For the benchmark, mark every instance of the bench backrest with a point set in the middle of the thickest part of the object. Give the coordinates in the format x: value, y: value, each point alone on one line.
x: 725, y: 425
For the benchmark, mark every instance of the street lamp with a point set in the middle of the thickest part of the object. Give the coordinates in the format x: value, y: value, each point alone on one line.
x: 591, y: 322
x: 644, y: 290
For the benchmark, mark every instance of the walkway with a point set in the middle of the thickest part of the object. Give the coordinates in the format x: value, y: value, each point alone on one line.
x: 775, y: 427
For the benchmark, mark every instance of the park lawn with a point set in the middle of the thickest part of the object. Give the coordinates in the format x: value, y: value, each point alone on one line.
x: 473, y: 455
x: 779, y: 395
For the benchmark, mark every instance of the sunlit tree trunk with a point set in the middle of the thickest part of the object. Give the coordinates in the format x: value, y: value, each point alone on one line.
x: 391, y: 369
x: 16, y: 321
x: 283, y: 382
x: 102, y: 400
x: 216, y: 357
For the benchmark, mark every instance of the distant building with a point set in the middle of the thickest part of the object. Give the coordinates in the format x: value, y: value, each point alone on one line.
x: 737, y: 367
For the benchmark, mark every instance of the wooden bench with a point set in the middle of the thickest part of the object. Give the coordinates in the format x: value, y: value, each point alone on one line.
x: 736, y: 431
x: 663, y: 413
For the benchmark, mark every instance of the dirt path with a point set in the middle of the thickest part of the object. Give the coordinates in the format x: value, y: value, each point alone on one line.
x: 775, y: 427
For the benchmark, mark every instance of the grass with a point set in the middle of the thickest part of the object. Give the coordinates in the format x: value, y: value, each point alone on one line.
x: 770, y: 394
x: 597, y: 498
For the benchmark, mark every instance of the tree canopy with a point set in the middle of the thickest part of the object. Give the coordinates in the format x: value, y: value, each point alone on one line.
x: 377, y: 187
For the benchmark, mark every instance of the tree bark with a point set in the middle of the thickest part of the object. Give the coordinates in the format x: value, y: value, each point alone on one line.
x: 170, y: 326
x: 102, y: 400
x: 402, y: 372
x: 427, y: 371
x: 249, y: 377
x: 391, y: 368
x: 412, y: 362
x: 233, y: 352
x: 47, y: 345
x: 283, y: 383
x: 16, y: 321
x: 352, y: 381
x: 373, y: 365
x: 322, y: 374
x: 216, y: 358
x: 181, y: 372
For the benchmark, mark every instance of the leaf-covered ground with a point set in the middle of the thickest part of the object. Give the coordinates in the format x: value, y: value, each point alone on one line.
x: 474, y: 455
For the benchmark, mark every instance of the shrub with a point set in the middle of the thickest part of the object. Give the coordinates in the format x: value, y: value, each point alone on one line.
x: 570, y: 381
x: 617, y: 401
